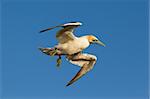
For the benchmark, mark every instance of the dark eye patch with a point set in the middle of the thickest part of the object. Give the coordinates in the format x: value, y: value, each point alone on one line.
x: 95, y: 40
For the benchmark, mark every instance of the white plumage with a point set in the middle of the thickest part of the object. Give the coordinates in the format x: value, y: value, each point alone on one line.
x: 72, y: 47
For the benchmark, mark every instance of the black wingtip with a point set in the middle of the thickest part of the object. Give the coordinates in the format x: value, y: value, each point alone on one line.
x: 68, y: 84
x: 50, y: 28
x: 43, y: 31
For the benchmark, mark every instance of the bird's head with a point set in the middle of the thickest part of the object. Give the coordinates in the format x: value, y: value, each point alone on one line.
x: 94, y: 40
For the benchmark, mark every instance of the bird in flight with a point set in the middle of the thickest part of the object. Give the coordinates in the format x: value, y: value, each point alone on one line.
x: 72, y: 47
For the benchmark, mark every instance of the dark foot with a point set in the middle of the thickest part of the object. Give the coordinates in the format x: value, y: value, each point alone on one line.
x: 59, y: 61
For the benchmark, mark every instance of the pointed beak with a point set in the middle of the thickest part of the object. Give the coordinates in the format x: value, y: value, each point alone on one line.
x: 100, y: 43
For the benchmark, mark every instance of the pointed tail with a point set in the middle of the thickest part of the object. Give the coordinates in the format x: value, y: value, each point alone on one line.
x: 46, y: 50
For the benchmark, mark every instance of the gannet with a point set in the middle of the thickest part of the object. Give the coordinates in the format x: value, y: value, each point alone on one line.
x: 72, y: 47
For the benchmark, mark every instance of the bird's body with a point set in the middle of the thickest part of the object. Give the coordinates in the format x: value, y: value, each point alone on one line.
x: 72, y: 46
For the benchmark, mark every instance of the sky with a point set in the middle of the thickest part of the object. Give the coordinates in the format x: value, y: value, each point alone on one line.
x: 121, y: 71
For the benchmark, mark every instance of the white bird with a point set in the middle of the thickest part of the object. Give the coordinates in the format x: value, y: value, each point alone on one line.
x: 72, y: 46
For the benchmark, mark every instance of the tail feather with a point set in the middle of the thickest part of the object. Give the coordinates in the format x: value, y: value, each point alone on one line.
x: 46, y: 50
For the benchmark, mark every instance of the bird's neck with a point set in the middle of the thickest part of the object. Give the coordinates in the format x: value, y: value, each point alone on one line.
x: 88, y: 37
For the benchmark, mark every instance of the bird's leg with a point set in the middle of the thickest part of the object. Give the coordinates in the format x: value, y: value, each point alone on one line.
x: 53, y: 52
x: 59, y: 61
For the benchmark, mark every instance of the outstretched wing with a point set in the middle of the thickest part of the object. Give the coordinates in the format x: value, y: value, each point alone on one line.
x: 65, y: 34
x: 85, y: 61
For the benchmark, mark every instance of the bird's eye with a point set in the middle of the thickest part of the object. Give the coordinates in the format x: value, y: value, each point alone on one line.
x: 95, y: 40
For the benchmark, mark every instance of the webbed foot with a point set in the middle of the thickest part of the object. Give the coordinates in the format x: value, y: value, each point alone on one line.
x: 59, y: 61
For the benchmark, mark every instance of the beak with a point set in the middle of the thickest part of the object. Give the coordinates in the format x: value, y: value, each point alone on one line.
x: 100, y: 43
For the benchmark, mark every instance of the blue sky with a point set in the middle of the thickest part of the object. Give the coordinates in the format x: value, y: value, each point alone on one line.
x: 121, y: 71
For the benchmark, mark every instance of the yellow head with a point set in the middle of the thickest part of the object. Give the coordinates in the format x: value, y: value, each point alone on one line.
x: 92, y: 39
